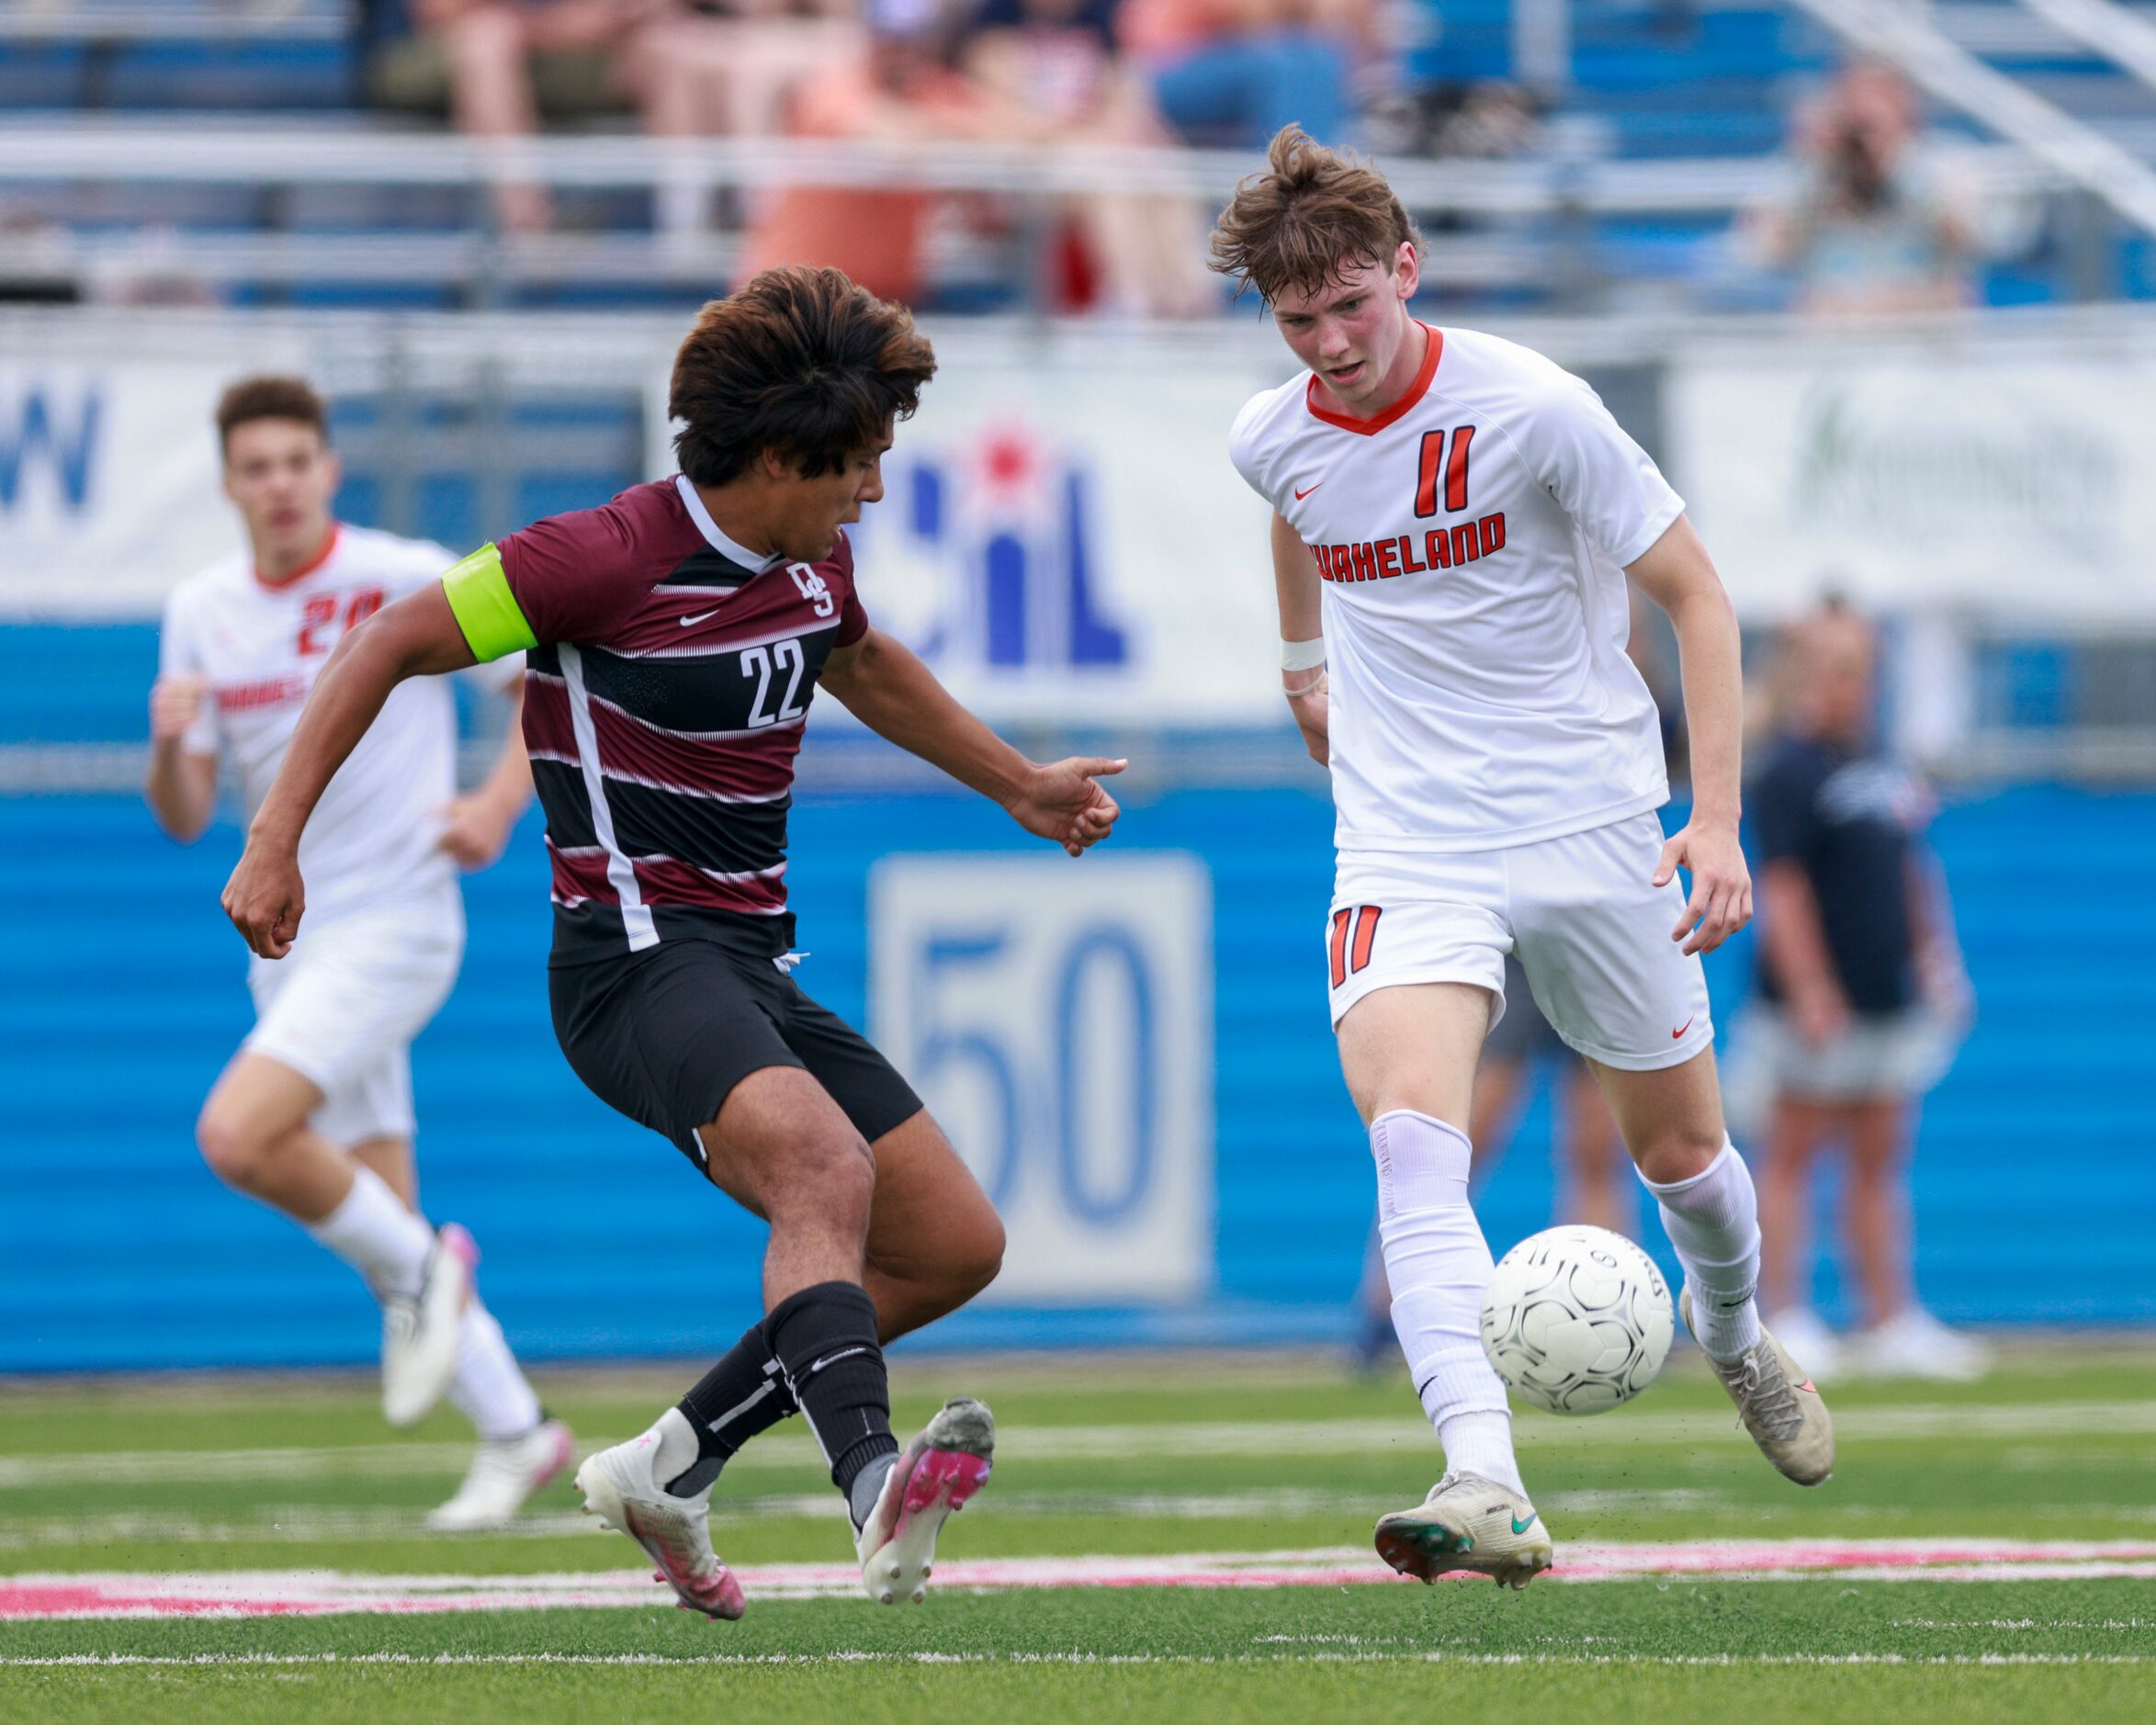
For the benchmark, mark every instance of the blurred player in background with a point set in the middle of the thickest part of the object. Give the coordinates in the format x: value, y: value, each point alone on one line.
x: 1862, y: 1002
x: 1454, y: 519
x: 313, y: 1115
x: 677, y: 637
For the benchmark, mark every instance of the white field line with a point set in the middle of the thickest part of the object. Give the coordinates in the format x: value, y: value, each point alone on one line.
x: 864, y: 1657
x: 1920, y: 1422
x: 303, y: 1524
x: 312, y: 1593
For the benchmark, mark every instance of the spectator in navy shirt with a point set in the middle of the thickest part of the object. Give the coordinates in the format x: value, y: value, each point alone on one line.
x: 1862, y: 1000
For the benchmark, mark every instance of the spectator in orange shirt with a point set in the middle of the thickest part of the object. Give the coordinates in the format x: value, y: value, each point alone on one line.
x: 900, y: 88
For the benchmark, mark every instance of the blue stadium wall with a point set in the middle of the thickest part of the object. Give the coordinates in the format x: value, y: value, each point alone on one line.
x: 118, y: 1249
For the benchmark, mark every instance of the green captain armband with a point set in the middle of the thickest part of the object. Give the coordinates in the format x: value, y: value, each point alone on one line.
x: 479, y: 595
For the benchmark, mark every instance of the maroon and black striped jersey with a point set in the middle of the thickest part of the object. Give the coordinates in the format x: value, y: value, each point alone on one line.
x: 663, y: 709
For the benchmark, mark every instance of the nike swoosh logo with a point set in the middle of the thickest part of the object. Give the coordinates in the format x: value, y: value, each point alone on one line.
x: 1521, y: 1526
x: 1677, y: 1035
x: 828, y: 1359
x: 700, y: 616
x: 1301, y: 495
x: 1806, y: 1387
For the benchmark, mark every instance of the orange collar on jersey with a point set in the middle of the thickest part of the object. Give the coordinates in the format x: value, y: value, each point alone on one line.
x: 329, y: 550
x: 1431, y: 351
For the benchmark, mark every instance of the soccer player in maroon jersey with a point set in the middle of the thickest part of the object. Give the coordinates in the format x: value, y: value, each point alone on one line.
x: 674, y: 639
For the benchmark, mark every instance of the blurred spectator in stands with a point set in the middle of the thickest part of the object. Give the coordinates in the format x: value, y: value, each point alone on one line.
x: 900, y: 87
x: 1491, y: 121
x: 1052, y: 67
x: 1872, y: 227
x: 501, y: 65
x: 1862, y: 1002
x: 1232, y: 72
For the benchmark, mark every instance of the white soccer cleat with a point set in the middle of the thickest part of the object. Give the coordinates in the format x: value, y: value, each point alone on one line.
x: 502, y: 1475
x: 1468, y: 1524
x: 419, y: 1335
x: 675, y: 1532
x: 939, y: 1471
x: 1777, y: 1403
x: 1913, y: 1344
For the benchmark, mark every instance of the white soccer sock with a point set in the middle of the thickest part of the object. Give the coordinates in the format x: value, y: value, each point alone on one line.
x: 490, y: 1389
x: 1713, y: 1220
x: 373, y: 1232
x: 1439, y: 1266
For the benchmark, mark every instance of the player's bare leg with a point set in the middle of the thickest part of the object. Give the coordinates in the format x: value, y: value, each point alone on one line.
x: 252, y: 1133
x: 437, y: 1337
x: 1408, y: 1054
x: 934, y: 1241
x: 786, y: 1151
x: 1672, y: 1123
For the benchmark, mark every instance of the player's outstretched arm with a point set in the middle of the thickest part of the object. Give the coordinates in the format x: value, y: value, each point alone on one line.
x: 418, y: 635
x: 883, y: 684
x: 1295, y: 584
x: 1677, y: 573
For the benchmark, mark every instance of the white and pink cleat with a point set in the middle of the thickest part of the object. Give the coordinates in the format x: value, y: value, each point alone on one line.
x: 675, y: 1532
x: 938, y: 1474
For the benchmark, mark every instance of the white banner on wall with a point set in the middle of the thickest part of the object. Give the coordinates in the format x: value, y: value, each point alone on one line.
x: 1985, y: 476
x: 1057, y: 1019
x: 109, y: 478
x: 1063, y: 536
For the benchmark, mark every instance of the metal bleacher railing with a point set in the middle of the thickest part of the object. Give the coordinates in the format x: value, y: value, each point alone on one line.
x: 92, y: 21
x: 1501, y: 223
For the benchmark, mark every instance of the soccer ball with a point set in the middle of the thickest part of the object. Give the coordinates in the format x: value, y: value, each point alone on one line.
x: 1576, y: 1320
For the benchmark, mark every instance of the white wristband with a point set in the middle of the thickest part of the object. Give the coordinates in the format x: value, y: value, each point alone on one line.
x: 1303, y: 655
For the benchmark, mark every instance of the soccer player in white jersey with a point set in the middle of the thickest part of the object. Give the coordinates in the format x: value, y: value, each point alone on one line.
x: 1454, y: 520
x: 313, y: 1115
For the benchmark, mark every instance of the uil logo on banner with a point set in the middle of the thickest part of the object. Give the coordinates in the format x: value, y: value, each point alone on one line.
x: 1001, y: 536
x: 1058, y: 1022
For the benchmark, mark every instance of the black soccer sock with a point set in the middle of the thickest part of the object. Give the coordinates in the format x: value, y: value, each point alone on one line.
x: 746, y: 1392
x: 825, y: 1338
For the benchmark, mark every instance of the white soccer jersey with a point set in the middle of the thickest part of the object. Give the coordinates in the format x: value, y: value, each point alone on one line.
x: 374, y: 835
x: 1473, y: 539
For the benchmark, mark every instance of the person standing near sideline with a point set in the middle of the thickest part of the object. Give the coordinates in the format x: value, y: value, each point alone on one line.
x: 1862, y: 1002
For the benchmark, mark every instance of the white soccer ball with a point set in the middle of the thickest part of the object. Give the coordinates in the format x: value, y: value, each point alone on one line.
x: 1576, y: 1320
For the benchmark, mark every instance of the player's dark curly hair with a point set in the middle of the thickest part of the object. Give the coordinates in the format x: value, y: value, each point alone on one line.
x: 270, y: 398
x: 799, y: 361
x: 1312, y: 212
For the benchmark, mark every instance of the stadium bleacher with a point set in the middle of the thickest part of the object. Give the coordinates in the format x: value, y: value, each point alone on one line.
x: 1707, y: 82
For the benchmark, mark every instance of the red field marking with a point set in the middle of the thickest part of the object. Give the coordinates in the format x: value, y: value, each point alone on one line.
x: 321, y: 1592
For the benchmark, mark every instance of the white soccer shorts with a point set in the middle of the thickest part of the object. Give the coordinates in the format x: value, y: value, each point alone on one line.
x: 1589, y: 929
x: 343, y: 1008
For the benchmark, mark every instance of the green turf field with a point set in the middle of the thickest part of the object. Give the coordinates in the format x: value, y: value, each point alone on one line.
x: 1985, y: 1550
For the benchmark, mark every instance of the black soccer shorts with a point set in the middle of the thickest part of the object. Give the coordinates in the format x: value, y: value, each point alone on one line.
x: 663, y: 1036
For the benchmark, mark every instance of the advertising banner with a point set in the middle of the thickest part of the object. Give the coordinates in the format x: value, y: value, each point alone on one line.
x: 109, y: 478
x: 1058, y: 1022
x: 2010, y: 478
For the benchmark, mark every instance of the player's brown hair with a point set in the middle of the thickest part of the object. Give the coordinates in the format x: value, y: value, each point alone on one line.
x: 1312, y: 213
x: 270, y: 398
x: 798, y: 361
